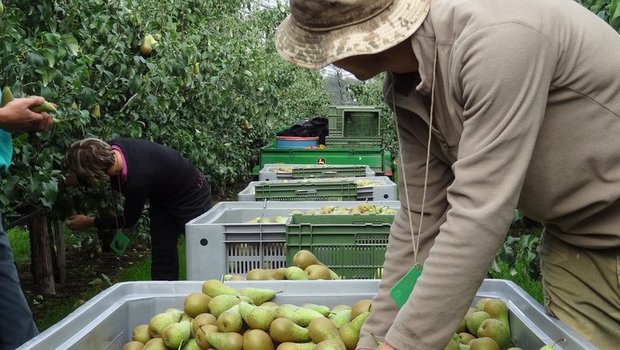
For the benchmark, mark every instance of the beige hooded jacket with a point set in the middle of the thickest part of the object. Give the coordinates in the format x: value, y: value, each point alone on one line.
x: 526, y: 114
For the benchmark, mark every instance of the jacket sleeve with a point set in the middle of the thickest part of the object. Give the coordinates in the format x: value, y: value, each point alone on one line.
x: 399, y: 257
x: 501, y: 76
x: 132, y: 208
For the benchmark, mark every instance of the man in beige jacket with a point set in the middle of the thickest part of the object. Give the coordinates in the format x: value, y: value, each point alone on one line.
x: 523, y: 101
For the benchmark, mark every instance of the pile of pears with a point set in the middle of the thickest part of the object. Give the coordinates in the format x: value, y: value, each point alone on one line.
x: 485, y: 327
x: 361, y: 209
x: 306, y: 266
x: 221, y: 317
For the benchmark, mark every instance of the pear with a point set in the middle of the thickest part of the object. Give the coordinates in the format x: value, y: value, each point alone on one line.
x: 496, y: 330
x: 258, y: 295
x: 230, y: 320
x: 141, y: 333
x: 256, y: 339
x: 317, y: 272
x: 360, y: 307
x: 270, y: 303
x: 225, y: 340
x: 350, y: 333
x: 341, y: 307
x: 155, y: 344
x: 284, y: 330
x: 133, y: 345
x: 295, y: 273
x: 191, y: 345
x: 299, y: 315
x: 466, y: 337
x: 257, y: 317
x: 186, y: 317
x: 321, y: 329
x: 333, y: 275
x: 221, y: 303
x: 147, y: 45
x: 44, y: 107
x: 159, y: 322
x: 463, y: 346
x: 324, y: 310
x: 214, y: 288
x: 462, y: 327
x: 474, y: 320
x: 484, y: 343
x: 277, y: 274
x: 330, y: 344
x: 202, y: 319
x: 257, y: 275
x: 341, y: 318
x: 7, y: 96
x: 201, y: 335
x: 498, y: 309
x: 196, y: 303
x: 304, y: 258
x: 229, y: 277
x: 176, y: 334
x: 297, y: 346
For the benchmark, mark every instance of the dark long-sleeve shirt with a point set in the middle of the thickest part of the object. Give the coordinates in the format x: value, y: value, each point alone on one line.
x: 160, y: 175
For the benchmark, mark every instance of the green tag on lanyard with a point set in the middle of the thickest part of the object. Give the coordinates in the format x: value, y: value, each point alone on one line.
x: 119, y: 243
x: 402, y: 289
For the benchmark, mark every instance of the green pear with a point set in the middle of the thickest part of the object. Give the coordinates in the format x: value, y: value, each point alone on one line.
x: 466, y: 337
x: 44, y: 107
x: 258, y: 295
x: 321, y: 329
x: 201, y: 335
x: 133, y: 345
x: 225, y: 340
x: 331, y: 344
x: 257, y: 275
x: 297, y: 314
x: 159, y: 322
x: 498, y: 309
x: 317, y: 272
x: 191, y: 345
x: 360, y: 307
x: 295, y: 273
x: 484, y: 343
x: 196, y: 303
x: 333, y: 275
x: 256, y: 339
x: 350, y: 333
x: 221, y: 303
x: 341, y: 307
x: 230, y: 320
x: 202, y: 319
x: 322, y: 309
x: 297, y: 346
x: 462, y: 327
x: 141, y: 333
x: 155, y: 344
x: 257, y: 317
x: 277, y: 274
x: 474, y: 320
x: 496, y: 330
x: 341, y: 318
x: 214, y: 288
x: 463, y: 346
x: 7, y: 96
x: 177, y: 334
x: 284, y: 330
x: 480, y: 304
x: 270, y: 303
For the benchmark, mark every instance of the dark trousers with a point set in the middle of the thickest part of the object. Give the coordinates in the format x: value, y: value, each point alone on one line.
x: 16, y: 324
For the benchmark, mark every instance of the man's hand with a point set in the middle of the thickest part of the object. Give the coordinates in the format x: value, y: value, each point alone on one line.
x: 16, y: 115
x: 80, y: 222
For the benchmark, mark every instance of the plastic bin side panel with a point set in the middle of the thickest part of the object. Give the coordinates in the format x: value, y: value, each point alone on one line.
x: 205, y: 244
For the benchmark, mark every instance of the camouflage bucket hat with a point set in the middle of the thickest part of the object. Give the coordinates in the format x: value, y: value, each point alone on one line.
x: 319, y: 32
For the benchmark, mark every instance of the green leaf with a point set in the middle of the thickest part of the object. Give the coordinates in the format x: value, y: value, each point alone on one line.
x: 72, y: 44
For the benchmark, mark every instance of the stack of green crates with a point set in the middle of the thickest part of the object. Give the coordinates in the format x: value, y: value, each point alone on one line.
x: 354, y: 126
x: 353, y: 246
x: 307, y: 191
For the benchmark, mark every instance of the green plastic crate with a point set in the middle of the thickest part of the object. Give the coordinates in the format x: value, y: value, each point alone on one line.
x: 308, y: 191
x: 354, y: 121
x: 353, y: 246
x: 328, y: 171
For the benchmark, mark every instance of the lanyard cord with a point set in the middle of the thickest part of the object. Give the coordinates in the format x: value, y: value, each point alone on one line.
x: 415, y: 241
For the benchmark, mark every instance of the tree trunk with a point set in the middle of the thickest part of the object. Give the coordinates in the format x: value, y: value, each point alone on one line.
x: 60, y: 251
x: 41, y: 255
